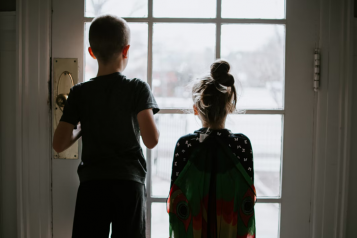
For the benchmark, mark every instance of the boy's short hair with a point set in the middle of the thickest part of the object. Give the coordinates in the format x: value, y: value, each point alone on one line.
x: 108, y: 35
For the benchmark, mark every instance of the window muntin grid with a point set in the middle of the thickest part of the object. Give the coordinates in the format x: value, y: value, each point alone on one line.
x: 218, y: 21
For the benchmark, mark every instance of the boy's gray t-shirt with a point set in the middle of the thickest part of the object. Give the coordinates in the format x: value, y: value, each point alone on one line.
x: 107, y: 108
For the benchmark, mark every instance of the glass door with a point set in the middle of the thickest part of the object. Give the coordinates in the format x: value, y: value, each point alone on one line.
x: 173, y: 42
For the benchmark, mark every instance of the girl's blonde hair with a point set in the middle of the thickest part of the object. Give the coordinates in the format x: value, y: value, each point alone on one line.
x: 215, y: 95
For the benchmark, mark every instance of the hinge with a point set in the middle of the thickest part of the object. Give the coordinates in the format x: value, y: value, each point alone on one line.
x: 316, y: 69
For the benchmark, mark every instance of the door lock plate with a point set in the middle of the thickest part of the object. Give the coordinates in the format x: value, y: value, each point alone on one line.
x: 65, y: 76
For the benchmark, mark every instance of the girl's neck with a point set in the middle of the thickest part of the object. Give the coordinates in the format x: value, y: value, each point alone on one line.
x: 214, y: 127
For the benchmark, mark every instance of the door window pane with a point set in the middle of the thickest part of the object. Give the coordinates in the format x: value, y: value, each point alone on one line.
x: 267, y: 216
x: 121, y: 8
x: 180, y: 53
x: 159, y: 220
x: 264, y: 132
x: 185, y: 8
x: 137, y: 65
x: 265, y: 9
x: 267, y: 219
x: 172, y: 127
x: 256, y: 53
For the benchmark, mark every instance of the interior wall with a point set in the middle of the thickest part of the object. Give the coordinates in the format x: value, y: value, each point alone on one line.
x: 7, y: 125
x: 352, y: 193
x: 7, y: 5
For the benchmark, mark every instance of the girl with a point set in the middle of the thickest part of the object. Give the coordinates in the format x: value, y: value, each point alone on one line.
x: 212, y: 192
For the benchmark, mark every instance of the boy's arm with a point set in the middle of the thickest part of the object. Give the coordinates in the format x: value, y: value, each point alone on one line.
x: 148, y: 129
x: 65, y: 136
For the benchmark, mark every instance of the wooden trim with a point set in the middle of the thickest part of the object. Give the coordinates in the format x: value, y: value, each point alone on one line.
x: 248, y: 111
x: 332, y: 122
x: 259, y: 200
x: 33, y: 145
x: 199, y: 20
x: 8, y: 204
x: 18, y: 98
x: 346, y: 74
x: 10, y: 13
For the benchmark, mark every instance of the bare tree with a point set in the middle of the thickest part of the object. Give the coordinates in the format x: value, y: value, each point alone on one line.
x: 98, y: 6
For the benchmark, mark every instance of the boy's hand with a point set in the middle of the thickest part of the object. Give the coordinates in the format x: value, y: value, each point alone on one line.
x: 65, y: 136
x: 148, y: 130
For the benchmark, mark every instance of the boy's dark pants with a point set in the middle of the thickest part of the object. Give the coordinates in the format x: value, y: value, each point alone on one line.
x: 101, y: 202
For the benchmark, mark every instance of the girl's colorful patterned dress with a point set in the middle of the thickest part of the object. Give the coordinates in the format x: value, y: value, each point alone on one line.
x: 213, y: 196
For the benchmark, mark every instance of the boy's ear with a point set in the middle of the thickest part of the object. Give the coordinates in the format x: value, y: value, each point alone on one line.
x: 195, y: 111
x: 91, y: 53
x: 126, y: 51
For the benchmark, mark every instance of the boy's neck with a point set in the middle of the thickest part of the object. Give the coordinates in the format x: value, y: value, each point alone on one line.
x: 113, y: 67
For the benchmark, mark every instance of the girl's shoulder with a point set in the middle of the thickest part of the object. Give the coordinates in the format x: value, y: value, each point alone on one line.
x: 188, y: 139
x: 194, y: 138
x: 240, y: 137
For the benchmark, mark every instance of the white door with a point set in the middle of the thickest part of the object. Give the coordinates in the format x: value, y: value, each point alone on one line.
x: 269, y: 44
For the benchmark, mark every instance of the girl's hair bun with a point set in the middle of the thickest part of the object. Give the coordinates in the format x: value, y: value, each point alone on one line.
x: 215, y: 95
x: 220, y: 73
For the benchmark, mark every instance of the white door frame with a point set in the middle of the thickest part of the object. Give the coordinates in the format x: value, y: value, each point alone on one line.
x: 33, y: 130
x: 333, y: 121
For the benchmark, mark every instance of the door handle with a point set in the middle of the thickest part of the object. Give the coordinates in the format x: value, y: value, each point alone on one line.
x: 65, y: 81
x: 61, y: 100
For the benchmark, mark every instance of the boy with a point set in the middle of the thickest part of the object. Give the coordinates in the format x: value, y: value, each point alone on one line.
x: 110, y: 109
